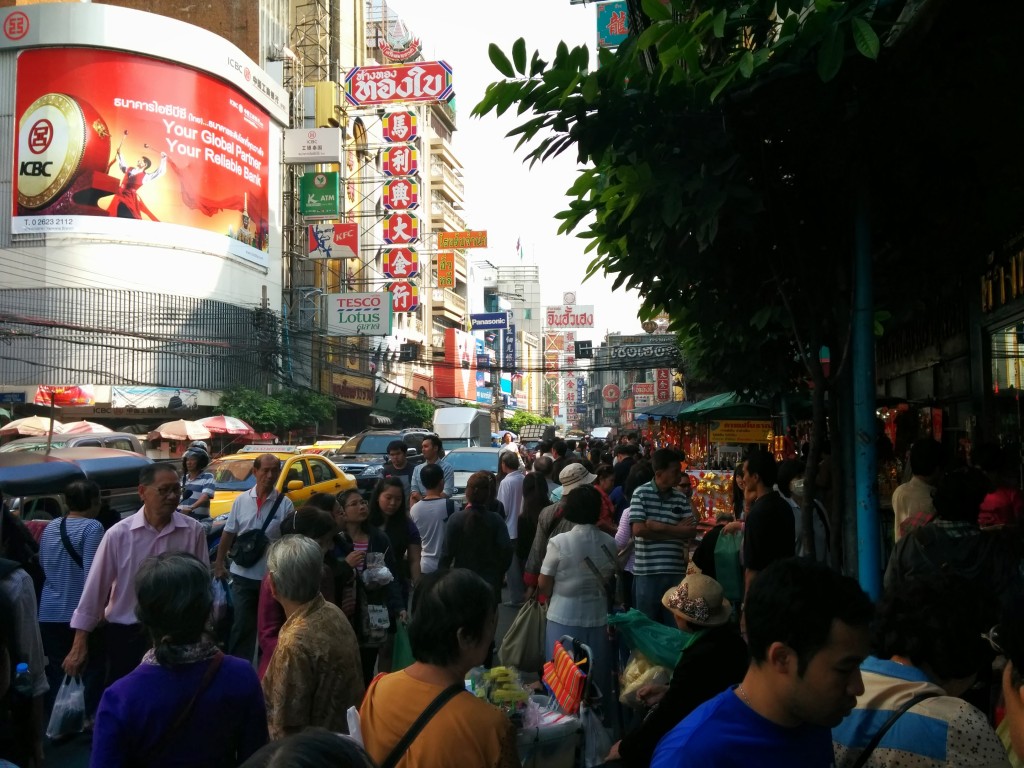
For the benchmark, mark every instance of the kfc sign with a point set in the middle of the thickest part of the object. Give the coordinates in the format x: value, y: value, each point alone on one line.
x: 405, y: 297
x: 401, y: 194
x: 399, y: 127
x: 401, y: 229
x: 333, y: 241
x: 402, y: 160
x: 401, y: 263
x: 420, y: 81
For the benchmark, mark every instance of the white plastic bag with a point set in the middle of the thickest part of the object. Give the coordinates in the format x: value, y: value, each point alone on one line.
x: 68, y: 716
x: 221, y: 601
x: 596, y: 741
x: 376, y: 574
x: 355, y: 727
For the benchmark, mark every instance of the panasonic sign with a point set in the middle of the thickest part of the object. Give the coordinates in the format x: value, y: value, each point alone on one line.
x: 489, y: 321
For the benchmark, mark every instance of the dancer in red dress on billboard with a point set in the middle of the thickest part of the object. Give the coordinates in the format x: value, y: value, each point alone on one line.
x: 126, y: 203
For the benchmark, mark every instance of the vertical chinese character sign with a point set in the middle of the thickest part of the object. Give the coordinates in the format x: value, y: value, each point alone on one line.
x: 405, y: 297
x: 401, y: 263
x: 612, y: 24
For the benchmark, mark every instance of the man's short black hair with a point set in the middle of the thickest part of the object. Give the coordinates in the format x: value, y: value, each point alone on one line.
x: 443, y: 603
x: 925, y: 456
x: 509, y: 460
x: 560, y: 447
x: 149, y: 472
x: 789, y: 470
x: 625, y: 449
x: 432, y: 477
x: 80, y: 495
x: 664, y: 458
x: 762, y: 464
x: 398, y: 445
x: 960, y: 494
x: 795, y: 601
x: 435, y: 440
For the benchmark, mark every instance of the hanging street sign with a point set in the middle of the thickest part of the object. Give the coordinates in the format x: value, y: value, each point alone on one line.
x: 318, y: 195
x: 398, y: 127
x: 400, y: 160
x: 401, y: 228
x: 401, y: 194
x: 417, y: 81
x: 405, y: 297
x: 446, y: 269
x: 312, y: 145
x: 333, y: 241
x: 401, y: 263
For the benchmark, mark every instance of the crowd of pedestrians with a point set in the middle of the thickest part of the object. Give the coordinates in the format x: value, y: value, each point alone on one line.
x: 785, y: 661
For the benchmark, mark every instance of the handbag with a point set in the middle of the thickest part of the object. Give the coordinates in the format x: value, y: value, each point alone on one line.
x: 728, y: 569
x: 248, y: 548
x: 66, y: 540
x: 523, y: 644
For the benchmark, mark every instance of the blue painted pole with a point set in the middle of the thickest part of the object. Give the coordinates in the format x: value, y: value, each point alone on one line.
x: 865, y: 460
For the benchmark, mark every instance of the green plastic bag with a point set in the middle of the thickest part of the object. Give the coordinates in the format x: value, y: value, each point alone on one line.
x: 401, y: 655
x: 660, y: 644
x: 728, y: 568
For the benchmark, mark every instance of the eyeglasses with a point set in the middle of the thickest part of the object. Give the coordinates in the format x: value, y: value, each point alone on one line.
x: 993, y: 640
x: 167, y: 490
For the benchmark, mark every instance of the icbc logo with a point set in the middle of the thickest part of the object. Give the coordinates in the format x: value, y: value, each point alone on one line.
x: 16, y: 26
x: 39, y: 136
x: 247, y: 75
x: 34, y: 168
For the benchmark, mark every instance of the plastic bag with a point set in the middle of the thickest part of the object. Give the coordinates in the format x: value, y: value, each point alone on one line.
x: 522, y: 646
x: 401, y: 654
x: 222, y: 612
x: 638, y: 673
x: 661, y: 644
x: 68, y: 717
x: 728, y: 568
x: 355, y: 725
x: 376, y: 574
x: 596, y: 741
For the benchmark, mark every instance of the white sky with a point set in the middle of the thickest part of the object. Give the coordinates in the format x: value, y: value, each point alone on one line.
x: 503, y: 195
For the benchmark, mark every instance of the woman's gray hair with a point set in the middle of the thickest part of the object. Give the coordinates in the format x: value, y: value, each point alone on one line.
x: 296, y: 565
x: 174, y: 594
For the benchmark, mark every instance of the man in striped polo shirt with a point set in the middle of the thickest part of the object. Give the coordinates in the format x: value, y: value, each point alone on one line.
x: 663, y: 525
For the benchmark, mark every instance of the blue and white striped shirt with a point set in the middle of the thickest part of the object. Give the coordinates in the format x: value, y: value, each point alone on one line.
x: 650, y: 505
x: 64, y: 579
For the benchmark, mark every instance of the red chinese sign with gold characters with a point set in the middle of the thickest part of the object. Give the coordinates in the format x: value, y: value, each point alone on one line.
x: 401, y: 228
x: 398, y: 127
x: 401, y: 160
x: 419, y: 81
x: 405, y: 297
x: 401, y: 194
x: 106, y: 140
x: 401, y: 263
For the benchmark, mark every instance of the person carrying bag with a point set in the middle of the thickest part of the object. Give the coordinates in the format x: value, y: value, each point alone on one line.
x: 247, y: 548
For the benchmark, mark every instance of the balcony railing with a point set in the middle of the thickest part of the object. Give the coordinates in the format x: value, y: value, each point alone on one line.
x: 439, y: 208
x: 449, y: 302
x: 442, y: 171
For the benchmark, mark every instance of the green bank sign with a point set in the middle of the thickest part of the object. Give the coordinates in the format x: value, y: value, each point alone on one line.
x: 319, y: 195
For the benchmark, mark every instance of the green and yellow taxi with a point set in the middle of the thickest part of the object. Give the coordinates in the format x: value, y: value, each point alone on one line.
x: 302, y: 475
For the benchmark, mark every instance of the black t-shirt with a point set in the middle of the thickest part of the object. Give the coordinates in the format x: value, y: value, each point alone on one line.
x: 404, y: 474
x: 769, y: 533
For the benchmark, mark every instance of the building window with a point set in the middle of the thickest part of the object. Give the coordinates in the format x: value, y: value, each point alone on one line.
x: 527, y: 314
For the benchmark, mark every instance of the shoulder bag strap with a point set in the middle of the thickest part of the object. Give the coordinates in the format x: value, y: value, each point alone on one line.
x: 186, y: 711
x: 432, y: 709
x: 449, y: 505
x: 862, y: 759
x: 67, y: 542
x: 273, y: 511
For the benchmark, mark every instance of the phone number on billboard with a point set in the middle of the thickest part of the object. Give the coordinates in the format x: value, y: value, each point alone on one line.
x: 49, y: 223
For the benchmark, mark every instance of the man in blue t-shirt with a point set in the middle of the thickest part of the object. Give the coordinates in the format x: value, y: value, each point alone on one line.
x: 807, y: 632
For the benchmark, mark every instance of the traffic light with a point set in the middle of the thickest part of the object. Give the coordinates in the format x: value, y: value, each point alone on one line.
x: 584, y: 349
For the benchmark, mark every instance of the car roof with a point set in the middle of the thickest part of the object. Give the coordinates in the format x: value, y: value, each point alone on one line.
x: 25, y: 473
x: 282, y: 455
x: 474, y: 449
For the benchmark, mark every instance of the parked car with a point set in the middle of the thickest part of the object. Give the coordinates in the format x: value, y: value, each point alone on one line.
x: 465, y: 461
x: 121, y: 441
x: 365, y: 454
x: 302, y: 475
x: 33, y: 484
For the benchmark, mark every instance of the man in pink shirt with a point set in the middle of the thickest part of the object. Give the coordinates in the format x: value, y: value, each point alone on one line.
x: 110, y: 587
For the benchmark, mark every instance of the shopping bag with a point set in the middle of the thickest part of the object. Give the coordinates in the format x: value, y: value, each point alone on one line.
x: 401, y: 654
x: 68, y: 717
x: 523, y: 645
x: 222, y: 611
x: 728, y: 568
x: 659, y: 643
x: 596, y: 741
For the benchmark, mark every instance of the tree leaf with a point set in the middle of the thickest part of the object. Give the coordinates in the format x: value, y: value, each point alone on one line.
x: 500, y: 61
x: 519, y: 55
x: 830, y: 55
x: 719, y: 26
x: 747, y: 64
x: 865, y: 38
x: 657, y: 10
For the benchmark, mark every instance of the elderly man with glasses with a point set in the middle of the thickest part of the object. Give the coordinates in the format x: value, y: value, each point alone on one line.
x: 109, y: 593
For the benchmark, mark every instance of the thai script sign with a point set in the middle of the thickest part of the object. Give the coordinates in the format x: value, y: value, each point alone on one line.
x: 750, y: 431
x: 643, y: 352
x: 349, y: 388
x: 333, y: 241
x: 470, y: 239
x: 578, y: 316
x: 643, y: 389
x: 399, y: 83
x: 446, y: 270
x: 358, y: 314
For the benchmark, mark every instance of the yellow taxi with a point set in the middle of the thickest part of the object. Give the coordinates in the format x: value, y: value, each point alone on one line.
x: 302, y: 475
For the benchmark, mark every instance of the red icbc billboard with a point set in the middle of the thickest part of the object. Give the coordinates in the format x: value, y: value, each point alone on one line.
x: 106, y: 136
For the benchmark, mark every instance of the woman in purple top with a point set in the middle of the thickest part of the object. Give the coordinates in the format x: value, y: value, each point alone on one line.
x: 186, y: 704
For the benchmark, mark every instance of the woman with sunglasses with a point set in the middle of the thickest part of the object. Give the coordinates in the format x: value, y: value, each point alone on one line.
x: 365, y: 605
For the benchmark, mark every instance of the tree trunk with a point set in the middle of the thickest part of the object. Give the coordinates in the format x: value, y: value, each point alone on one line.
x: 813, y: 456
x: 837, y: 506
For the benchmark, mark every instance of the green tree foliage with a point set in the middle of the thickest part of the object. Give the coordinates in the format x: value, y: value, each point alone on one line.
x: 415, y: 413
x: 282, y: 411
x: 517, y: 420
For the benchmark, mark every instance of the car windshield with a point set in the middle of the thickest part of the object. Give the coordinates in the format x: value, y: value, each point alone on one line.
x: 473, y: 461
x: 374, y: 444
x: 455, y: 442
x: 232, y: 474
x: 32, y: 446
